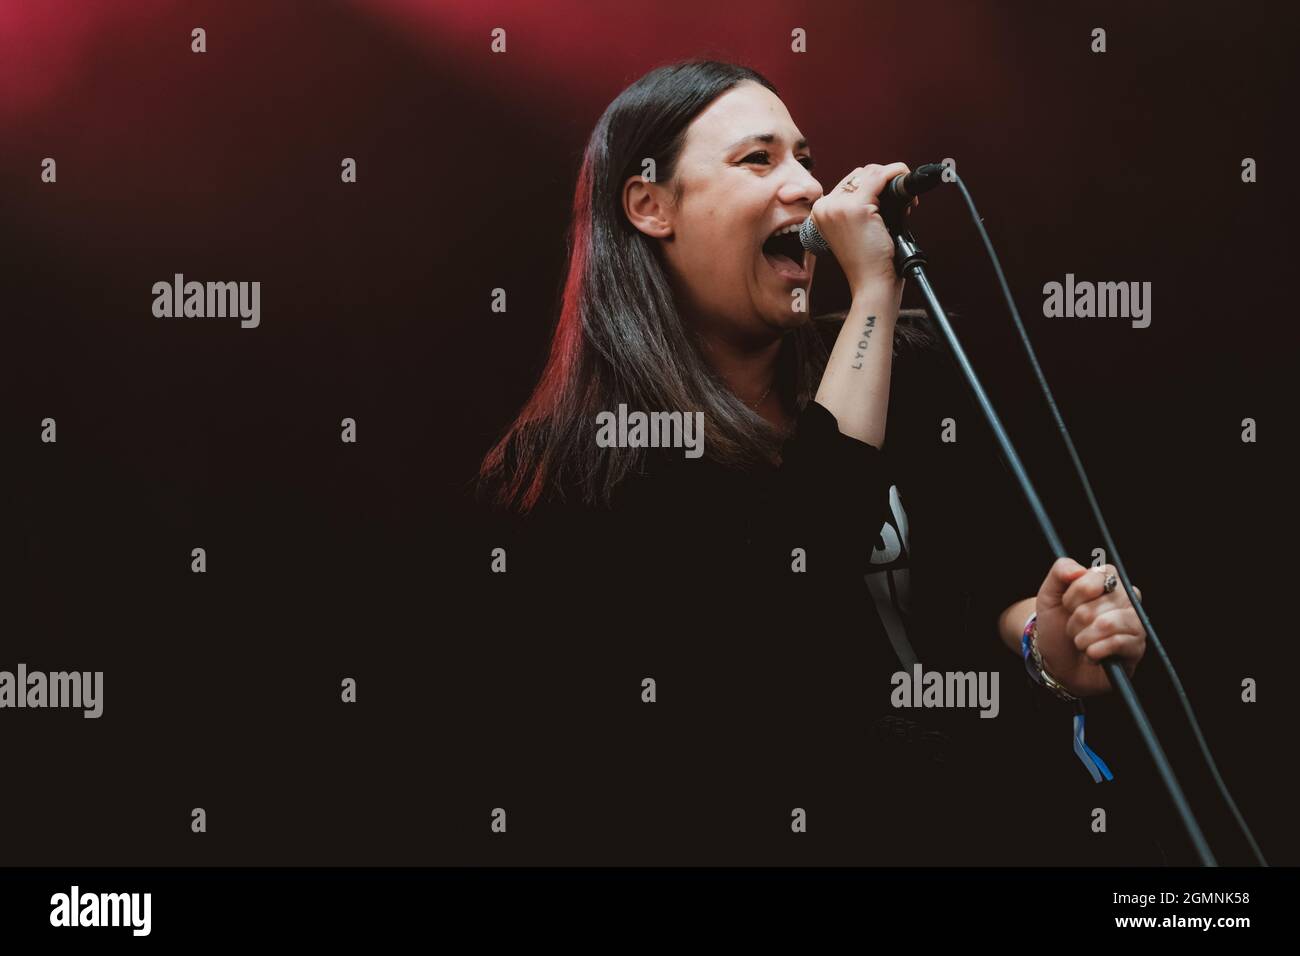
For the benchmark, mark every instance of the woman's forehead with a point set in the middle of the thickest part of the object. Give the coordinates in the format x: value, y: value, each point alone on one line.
x: 747, y: 114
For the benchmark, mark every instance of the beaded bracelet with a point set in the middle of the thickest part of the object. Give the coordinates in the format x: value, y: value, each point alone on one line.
x: 1034, y: 662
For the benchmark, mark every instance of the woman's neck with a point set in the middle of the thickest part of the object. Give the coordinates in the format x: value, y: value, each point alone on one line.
x: 750, y: 373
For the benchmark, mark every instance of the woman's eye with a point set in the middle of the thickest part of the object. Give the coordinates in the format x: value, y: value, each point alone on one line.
x: 765, y: 159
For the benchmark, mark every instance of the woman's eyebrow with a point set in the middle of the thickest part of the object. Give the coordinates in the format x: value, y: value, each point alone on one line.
x: 768, y: 138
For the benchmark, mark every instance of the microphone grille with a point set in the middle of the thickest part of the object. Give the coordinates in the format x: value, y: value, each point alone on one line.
x: 812, y: 240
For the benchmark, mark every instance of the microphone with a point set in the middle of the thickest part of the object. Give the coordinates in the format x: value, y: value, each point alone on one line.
x: 898, y: 192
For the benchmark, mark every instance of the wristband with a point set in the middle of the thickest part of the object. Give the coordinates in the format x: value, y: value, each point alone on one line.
x: 1090, y: 759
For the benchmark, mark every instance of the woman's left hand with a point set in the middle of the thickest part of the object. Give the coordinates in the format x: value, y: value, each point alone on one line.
x: 1079, y: 625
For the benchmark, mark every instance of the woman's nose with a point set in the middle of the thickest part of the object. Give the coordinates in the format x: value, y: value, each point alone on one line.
x: 801, y: 187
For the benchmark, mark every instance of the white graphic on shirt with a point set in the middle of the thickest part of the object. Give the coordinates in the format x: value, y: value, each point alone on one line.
x: 889, y: 536
x: 889, y: 587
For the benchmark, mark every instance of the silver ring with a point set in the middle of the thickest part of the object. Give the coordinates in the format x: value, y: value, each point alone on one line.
x: 1109, y: 586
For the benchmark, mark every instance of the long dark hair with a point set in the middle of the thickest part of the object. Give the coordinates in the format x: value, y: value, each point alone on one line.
x: 619, y: 337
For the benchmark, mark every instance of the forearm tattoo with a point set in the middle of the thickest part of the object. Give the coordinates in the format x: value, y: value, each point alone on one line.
x: 866, y: 337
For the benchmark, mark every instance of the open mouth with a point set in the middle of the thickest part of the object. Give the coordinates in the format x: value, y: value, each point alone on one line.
x: 787, y: 256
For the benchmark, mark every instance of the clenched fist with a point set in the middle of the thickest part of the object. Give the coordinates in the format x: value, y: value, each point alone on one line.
x: 850, y: 222
x: 1079, y: 625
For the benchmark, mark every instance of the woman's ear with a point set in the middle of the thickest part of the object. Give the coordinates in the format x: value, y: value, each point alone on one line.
x: 646, y: 208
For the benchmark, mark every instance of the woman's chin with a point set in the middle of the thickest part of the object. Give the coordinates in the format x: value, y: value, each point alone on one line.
x: 787, y: 318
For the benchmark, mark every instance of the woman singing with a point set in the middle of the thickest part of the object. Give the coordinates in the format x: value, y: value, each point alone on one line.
x: 723, y: 611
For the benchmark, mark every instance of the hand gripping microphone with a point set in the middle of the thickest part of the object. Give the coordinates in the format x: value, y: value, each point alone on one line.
x: 898, y: 192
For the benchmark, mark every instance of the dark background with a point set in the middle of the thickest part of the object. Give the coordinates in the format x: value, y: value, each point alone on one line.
x: 328, y: 560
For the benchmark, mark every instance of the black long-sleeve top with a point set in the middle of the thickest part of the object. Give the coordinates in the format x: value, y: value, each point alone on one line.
x: 773, y: 686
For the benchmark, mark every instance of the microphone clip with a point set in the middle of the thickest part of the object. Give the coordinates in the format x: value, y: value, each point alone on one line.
x: 907, y: 254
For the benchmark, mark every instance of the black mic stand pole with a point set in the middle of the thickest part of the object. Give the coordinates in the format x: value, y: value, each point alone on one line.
x: 910, y: 262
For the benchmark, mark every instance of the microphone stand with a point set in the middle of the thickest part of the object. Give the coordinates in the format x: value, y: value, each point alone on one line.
x: 910, y: 263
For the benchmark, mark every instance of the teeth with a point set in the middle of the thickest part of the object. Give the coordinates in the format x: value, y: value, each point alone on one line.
x: 793, y: 227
